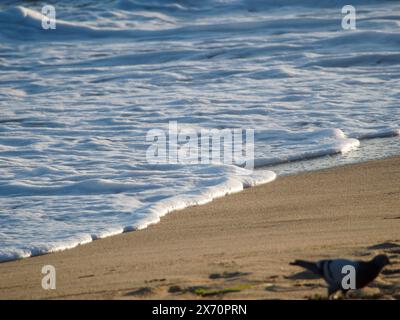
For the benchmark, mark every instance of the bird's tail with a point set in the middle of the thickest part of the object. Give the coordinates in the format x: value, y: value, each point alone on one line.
x: 311, y: 266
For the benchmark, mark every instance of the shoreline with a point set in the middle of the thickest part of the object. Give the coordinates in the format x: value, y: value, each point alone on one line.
x: 387, y: 145
x: 235, y: 247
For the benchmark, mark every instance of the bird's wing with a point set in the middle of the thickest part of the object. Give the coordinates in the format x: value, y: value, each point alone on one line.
x: 366, y: 273
x: 333, y: 272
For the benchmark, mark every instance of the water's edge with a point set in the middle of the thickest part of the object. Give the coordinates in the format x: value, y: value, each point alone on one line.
x: 370, y: 150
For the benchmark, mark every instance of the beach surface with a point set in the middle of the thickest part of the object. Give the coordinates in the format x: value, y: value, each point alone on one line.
x: 238, y: 246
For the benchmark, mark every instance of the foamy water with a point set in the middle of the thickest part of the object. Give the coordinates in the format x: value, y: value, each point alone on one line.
x: 77, y: 102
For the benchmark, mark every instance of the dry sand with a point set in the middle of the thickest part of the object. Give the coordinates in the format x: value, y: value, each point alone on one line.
x: 239, y: 246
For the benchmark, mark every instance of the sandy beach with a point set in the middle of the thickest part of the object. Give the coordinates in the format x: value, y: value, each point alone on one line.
x: 239, y: 246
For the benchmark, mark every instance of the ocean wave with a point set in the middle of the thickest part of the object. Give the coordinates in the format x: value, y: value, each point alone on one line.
x: 21, y: 23
x: 375, y: 59
x: 62, y: 237
x: 320, y: 143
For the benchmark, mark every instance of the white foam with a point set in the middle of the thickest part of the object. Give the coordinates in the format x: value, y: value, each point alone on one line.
x: 234, y: 181
x: 379, y: 133
x: 319, y: 143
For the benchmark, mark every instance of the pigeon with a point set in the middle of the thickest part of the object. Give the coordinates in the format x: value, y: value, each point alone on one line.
x: 333, y: 271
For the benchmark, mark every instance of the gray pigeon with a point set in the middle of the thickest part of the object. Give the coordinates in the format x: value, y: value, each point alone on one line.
x: 333, y: 274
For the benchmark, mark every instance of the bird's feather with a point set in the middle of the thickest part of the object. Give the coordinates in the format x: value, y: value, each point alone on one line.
x: 311, y: 266
x: 333, y: 271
